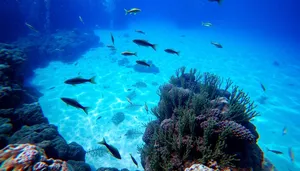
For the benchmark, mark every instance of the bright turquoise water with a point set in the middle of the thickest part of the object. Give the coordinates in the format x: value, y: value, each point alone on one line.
x: 247, y: 58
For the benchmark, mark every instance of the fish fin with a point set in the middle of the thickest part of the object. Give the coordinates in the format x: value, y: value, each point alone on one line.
x: 92, y: 80
x: 103, y: 142
x: 73, y: 84
x: 85, y: 109
x: 126, y: 12
x: 178, y: 52
x: 154, y: 46
x: 135, y: 53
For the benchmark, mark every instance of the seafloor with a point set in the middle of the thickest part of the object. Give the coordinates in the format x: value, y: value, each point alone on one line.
x: 247, y: 58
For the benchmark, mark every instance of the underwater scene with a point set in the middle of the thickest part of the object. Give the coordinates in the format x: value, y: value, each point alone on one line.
x: 154, y: 85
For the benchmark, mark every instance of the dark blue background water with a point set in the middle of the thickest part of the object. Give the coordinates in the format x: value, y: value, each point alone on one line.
x: 274, y: 18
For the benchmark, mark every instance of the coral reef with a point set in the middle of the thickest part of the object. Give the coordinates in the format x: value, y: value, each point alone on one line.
x: 29, y: 157
x: 198, y: 167
x: 21, y: 117
x: 199, y: 120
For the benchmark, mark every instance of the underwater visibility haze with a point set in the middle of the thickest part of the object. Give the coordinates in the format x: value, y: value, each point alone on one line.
x: 149, y: 85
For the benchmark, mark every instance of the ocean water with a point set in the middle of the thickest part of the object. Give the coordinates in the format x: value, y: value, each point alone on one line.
x: 260, y: 45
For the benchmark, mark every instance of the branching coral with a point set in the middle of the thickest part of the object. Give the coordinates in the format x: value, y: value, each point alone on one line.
x: 198, y: 121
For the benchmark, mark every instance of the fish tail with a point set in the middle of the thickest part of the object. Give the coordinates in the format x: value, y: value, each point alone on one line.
x: 177, y: 53
x: 135, y: 53
x: 126, y: 12
x: 86, y: 109
x: 154, y: 46
x: 92, y: 80
x: 103, y: 142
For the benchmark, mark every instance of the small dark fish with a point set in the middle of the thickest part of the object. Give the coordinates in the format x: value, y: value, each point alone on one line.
x: 218, y: 45
x: 79, y: 80
x: 74, y: 103
x: 99, y: 117
x: 142, y: 63
x: 112, y: 47
x: 127, y: 53
x: 140, y: 31
x: 113, y: 150
x: 275, y: 151
x: 51, y: 88
x: 134, y: 161
x: 171, y: 51
x: 146, y: 107
x: 112, y: 39
x: 144, y: 43
x: 76, y: 63
x: 263, y: 87
x: 218, y: 1
x: 129, y: 89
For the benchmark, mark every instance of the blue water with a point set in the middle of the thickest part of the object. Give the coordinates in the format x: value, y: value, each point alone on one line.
x: 254, y: 35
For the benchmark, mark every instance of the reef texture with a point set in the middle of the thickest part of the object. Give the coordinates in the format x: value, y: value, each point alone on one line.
x: 198, y: 122
x: 21, y: 117
x: 198, y: 167
x: 63, y: 45
x: 29, y: 157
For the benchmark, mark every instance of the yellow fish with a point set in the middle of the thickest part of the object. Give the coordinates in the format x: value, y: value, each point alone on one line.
x: 291, y: 154
x: 31, y: 27
x: 206, y: 24
x: 81, y: 20
x: 132, y: 11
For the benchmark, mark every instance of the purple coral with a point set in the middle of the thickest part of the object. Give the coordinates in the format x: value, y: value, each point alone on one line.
x: 238, y: 130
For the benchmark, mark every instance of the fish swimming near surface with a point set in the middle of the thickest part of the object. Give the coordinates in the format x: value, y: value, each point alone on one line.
x: 99, y: 117
x: 79, y: 80
x: 275, y: 151
x: 127, y: 53
x: 291, y: 154
x: 129, y: 101
x: 132, y: 11
x: 113, y: 150
x: 145, y: 43
x: 142, y: 63
x: 74, y: 103
x: 134, y: 161
x: 262, y: 87
x: 80, y: 19
x: 140, y: 31
x: 171, y: 51
x: 284, y: 130
x: 206, y: 24
x: 218, y: 45
x: 112, y: 38
x: 218, y: 1
x: 31, y: 27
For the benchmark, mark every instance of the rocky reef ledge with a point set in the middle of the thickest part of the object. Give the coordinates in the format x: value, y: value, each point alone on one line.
x: 21, y: 117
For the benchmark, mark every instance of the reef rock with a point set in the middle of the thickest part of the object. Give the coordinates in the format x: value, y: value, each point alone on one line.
x: 198, y: 167
x: 29, y: 157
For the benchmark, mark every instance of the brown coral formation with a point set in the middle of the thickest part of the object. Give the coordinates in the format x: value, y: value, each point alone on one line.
x: 199, y: 120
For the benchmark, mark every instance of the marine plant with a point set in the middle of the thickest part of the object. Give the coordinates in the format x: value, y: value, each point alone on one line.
x: 198, y: 121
